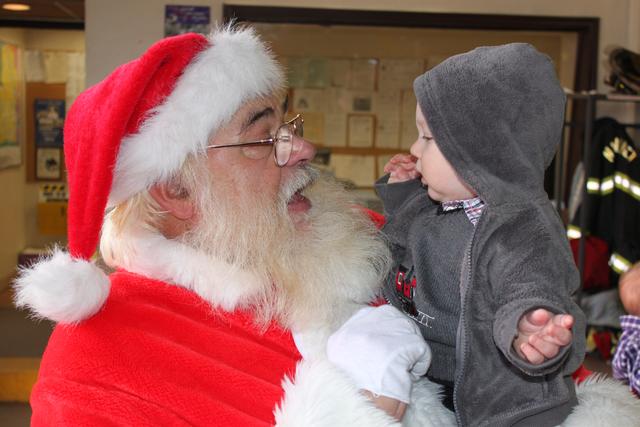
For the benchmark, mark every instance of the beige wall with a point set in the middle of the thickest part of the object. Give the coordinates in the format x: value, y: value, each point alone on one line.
x: 12, y: 222
x: 18, y: 224
x: 132, y: 25
x: 130, y: 34
x: 118, y: 31
x: 69, y: 40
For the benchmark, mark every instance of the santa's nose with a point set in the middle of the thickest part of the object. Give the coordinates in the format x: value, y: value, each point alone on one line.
x: 302, y: 151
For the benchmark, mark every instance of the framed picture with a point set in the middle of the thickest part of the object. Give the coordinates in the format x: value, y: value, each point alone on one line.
x: 49, y: 121
x: 45, y: 114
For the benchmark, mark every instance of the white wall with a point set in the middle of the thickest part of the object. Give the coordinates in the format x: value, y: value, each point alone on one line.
x: 117, y: 31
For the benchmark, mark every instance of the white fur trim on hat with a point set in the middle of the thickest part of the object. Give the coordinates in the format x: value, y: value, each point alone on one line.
x: 62, y: 289
x: 235, y: 68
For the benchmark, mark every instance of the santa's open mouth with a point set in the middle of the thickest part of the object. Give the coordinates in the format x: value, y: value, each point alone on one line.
x: 298, y: 203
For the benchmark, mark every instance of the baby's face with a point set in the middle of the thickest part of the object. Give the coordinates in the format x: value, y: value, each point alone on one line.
x: 438, y: 175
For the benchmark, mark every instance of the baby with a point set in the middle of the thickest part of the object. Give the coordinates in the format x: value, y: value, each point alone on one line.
x: 481, y: 261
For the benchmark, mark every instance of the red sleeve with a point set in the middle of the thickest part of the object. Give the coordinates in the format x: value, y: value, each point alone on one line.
x: 377, y: 218
x: 59, y: 402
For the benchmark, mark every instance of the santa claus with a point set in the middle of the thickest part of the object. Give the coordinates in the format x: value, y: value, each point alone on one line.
x: 236, y: 264
x: 224, y: 241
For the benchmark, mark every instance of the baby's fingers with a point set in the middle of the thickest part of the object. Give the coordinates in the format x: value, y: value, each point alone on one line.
x: 544, y: 347
x: 531, y: 354
x: 556, y: 334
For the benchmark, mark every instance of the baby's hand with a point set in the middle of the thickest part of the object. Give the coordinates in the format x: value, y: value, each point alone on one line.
x: 401, y: 167
x: 541, y: 334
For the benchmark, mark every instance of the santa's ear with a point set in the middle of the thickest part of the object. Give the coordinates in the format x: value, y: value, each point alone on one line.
x: 174, y: 199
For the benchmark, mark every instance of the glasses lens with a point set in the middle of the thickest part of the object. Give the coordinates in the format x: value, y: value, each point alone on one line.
x: 256, y: 152
x: 284, y: 144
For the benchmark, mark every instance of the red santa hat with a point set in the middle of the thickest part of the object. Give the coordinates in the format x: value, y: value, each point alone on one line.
x: 134, y: 129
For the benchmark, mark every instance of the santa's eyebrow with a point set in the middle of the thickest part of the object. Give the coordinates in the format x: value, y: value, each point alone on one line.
x: 254, y: 117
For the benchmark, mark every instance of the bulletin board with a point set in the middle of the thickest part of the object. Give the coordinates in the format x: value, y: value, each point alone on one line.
x: 351, y: 72
x: 354, y: 85
x: 45, y: 114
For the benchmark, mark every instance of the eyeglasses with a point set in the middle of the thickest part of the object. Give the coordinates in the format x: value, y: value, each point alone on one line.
x: 282, y: 141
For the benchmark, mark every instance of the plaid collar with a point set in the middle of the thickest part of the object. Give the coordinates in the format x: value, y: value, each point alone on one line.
x: 472, y: 207
x: 630, y: 322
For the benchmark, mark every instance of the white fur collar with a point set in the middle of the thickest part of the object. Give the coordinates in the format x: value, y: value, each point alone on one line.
x: 216, y: 281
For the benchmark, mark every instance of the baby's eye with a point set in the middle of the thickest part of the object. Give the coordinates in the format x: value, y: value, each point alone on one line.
x: 427, y: 138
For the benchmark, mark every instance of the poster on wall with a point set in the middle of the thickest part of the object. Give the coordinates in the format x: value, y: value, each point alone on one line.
x: 49, y: 121
x: 10, y: 106
x: 186, y: 19
x: 48, y: 163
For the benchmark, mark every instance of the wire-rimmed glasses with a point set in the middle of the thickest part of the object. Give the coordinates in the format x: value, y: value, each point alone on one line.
x: 282, y: 141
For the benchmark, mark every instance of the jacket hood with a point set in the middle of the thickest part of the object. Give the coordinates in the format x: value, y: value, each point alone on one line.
x: 496, y: 114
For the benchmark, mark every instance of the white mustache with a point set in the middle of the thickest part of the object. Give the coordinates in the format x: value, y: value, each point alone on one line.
x: 304, y: 177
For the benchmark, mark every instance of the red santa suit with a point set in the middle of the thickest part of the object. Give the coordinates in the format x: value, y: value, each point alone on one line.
x: 158, y: 354
x: 189, y: 353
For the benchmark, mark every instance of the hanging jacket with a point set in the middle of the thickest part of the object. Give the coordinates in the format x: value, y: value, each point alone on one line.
x: 613, y: 195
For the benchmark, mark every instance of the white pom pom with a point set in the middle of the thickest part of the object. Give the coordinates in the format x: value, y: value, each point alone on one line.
x: 62, y: 289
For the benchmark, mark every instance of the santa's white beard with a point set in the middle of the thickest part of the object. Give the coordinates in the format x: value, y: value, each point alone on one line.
x: 315, y: 273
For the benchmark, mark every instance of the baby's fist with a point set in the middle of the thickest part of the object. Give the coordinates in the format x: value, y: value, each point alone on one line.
x: 401, y: 167
x: 541, y: 335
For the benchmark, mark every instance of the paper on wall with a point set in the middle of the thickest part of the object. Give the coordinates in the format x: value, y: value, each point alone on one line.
x: 305, y: 100
x: 34, y: 66
x: 317, y: 73
x: 296, y: 71
x: 339, y: 72
x: 335, y: 129
x: 363, y: 74
x: 359, y: 170
x: 76, y: 79
x: 361, y: 130
x: 386, y: 106
x: 338, y: 100
x: 408, y: 130
x: 399, y: 73
x: 55, y: 67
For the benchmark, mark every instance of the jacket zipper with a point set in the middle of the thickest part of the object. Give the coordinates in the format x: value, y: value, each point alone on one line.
x: 461, y: 350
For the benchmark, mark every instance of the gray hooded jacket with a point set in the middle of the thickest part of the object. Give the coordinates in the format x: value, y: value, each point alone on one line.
x: 496, y: 114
